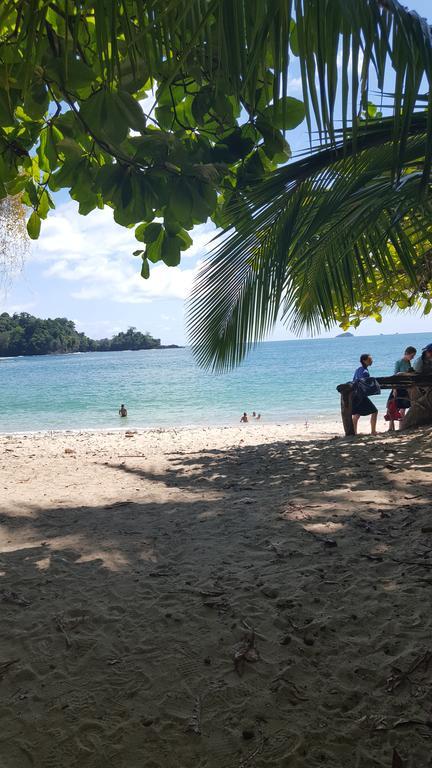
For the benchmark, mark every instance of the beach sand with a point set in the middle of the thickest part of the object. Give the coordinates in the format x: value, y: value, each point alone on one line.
x: 216, y: 598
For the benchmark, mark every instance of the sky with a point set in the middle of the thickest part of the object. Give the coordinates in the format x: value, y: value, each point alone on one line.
x: 83, y: 268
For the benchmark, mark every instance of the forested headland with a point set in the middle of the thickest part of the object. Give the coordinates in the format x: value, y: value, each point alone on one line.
x: 24, y: 334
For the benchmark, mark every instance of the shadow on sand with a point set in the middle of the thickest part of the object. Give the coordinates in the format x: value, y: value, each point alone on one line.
x: 120, y: 622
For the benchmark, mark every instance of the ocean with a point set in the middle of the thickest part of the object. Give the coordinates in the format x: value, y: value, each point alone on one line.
x: 285, y: 381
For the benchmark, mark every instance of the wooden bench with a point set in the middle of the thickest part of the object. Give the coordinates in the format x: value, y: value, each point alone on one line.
x: 420, y: 390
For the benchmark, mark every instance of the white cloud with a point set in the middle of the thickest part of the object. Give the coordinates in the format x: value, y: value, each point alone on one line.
x: 97, y: 329
x: 295, y: 85
x: 202, y: 241
x: 17, y: 308
x: 95, y: 253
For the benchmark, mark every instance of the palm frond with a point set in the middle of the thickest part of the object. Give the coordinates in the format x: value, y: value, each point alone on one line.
x: 310, y: 241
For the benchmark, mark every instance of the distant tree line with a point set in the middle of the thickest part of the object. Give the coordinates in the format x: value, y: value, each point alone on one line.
x: 23, y: 334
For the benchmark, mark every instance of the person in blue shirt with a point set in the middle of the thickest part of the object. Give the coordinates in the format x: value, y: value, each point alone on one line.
x: 361, y: 404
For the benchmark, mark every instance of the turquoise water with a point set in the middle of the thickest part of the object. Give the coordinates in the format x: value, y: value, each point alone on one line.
x: 285, y: 381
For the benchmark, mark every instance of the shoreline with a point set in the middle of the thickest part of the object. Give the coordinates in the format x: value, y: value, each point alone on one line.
x: 293, y: 429
x: 89, y: 351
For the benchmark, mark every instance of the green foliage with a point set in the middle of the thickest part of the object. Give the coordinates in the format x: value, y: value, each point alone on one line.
x: 343, y: 232
x: 328, y: 239
x: 23, y: 334
x: 73, y: 79
x: 131, y: 339
x: 399, y: 292
x: 73, y: 115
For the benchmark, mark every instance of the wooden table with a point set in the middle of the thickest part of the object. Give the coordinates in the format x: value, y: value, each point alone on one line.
x: 420, y: 391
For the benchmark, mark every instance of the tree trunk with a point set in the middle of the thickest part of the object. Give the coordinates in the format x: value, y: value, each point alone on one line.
x: 346, y: 411
x: 420, y: 413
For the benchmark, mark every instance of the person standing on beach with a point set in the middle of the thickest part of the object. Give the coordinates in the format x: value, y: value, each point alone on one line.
x: 401, y: 395
x: 423, y: 364
x: 404, y: 364
x: 123, y: 410
x: 361, y: 404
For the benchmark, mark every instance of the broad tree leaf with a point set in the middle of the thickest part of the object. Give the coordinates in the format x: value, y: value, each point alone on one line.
x: 171, y: 250
x: 145, y: 269
x: 151, y: 148
x: 148, y: 233
x: 180, y: 201
x: 172, y: 226
x: 275, y: 145
x: 36, y: 101
x: 185, y: 238
x: 132, y: 111
x: 69, y: 147
x: 76, y: 73
x: 109, y: 180
x: 45, y: 204
x: 287, y: 114
x: 154, y: 250
x: 165, y: 117
x: 33, y: 226
x: 103, y: 113
x: 202, y: 103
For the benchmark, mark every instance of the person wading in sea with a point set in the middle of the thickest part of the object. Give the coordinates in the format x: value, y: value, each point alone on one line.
x: 123, y: 410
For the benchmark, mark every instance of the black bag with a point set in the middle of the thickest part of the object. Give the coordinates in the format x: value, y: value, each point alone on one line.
x: 368, y: 387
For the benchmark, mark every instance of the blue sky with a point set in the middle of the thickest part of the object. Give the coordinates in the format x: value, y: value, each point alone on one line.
x: 82, y: 268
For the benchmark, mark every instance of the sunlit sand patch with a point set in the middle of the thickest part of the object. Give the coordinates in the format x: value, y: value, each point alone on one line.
x: 79, y: 546
x: 114, y: 561
x: 12, y: 541
x: 209, y: 514
x: 323, y: 527
x: 380, y: 549
x: 304, y: 511
x: 149, y: 556
x: 299, y: 511
x: 19, y: 511
x: 389, y: 585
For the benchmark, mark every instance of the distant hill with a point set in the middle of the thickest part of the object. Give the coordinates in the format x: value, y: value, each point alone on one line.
x: 23, y: 334
x: 344, y: 335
